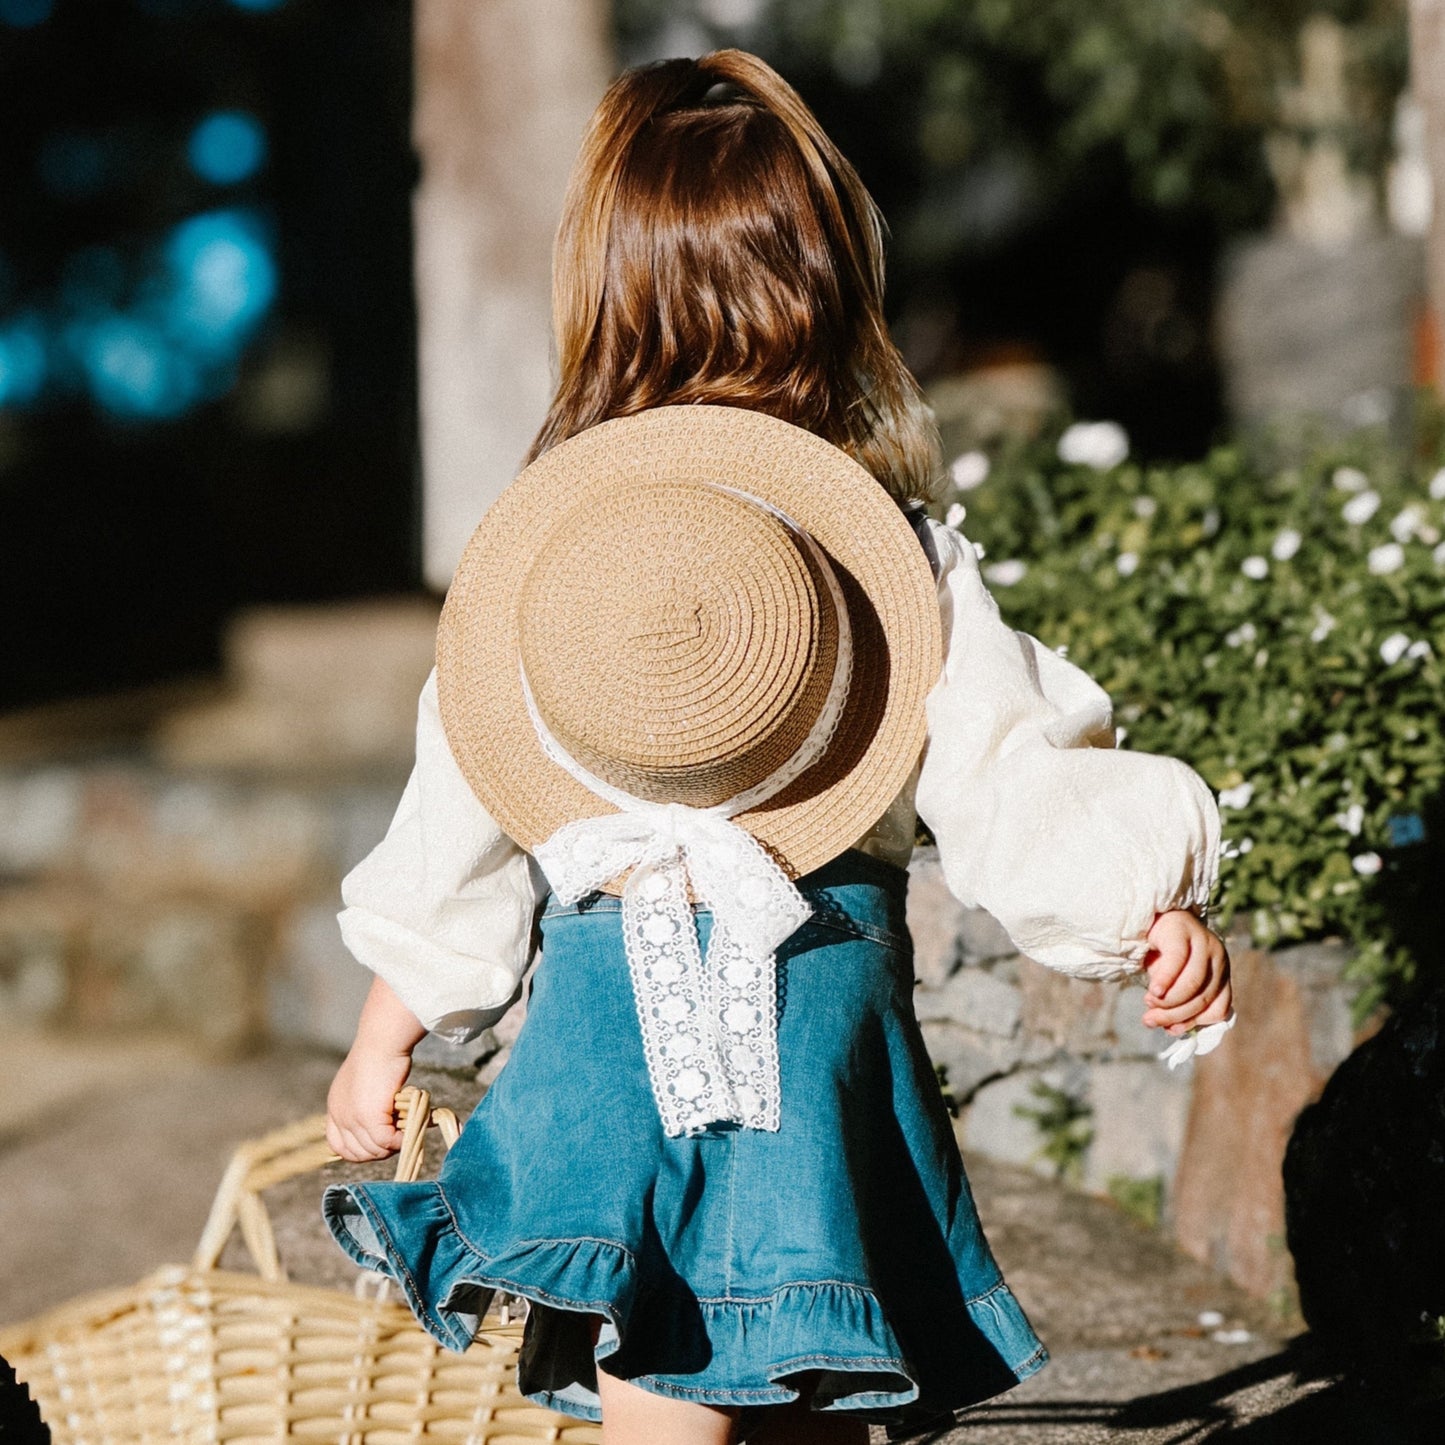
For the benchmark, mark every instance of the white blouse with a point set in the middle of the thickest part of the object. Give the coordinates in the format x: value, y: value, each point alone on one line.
x: 1074, y: 847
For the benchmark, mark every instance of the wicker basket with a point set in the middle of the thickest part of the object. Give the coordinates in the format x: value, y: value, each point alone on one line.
x: 193, y: 1353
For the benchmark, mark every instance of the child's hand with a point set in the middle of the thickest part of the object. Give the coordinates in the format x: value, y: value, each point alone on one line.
x: 1188, y: 973
x: 360, y: 1107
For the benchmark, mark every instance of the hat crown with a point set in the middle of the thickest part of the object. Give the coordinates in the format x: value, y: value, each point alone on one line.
x: 677, y: 640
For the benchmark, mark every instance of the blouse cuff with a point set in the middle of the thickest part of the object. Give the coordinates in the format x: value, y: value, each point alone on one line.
x: 454, y: 995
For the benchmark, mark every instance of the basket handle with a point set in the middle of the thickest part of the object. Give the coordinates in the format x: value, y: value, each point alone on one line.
x: 296, y: 1149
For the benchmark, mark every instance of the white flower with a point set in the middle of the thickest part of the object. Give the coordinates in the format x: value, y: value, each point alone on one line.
x: 1120, y: 733
x: 955, y: 515
x: 1408, y: 522
x: 1418, y: 649
x: 1126, y: 563
x: 1228, y: 848
x: 1062, y: 649
x: 1358, y: 510
x: 1350, y: 479
x: 1005, y: 574
x: 1243, y: 633
x: 1394, y: 647
x: 1145, y: 507
x: 1324, y: 625
x: 1352, y: 819
x: 1237, y: 797
x: 980, y: 551
x: 1197, y: 1042
x: 1386, y: 558
x: 1246, y: 845
x: 1437, y: 485
x: 1231, y: 1337
x: 969, y: 470
x: 1286, y: 544
x: 1210, y: 1319
x: 1367, y: 864
x: 1097, y: 444
x: 1438, y: 555
x: 1255, y: 568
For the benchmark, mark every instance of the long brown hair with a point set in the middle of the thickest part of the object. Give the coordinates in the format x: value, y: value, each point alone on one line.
x: 717, y: 247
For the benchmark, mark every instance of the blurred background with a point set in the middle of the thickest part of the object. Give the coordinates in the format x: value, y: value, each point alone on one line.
x: 274, y: 295
x: 1175, y: 215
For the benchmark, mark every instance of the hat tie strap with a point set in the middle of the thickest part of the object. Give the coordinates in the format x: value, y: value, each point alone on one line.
x: 709, y: 1025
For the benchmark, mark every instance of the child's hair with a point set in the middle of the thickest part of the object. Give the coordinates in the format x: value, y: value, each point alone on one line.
x: 715, y: 246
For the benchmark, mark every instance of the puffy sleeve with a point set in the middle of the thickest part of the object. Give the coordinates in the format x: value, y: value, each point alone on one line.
x: 443, y: 907
x: 1074, y: 847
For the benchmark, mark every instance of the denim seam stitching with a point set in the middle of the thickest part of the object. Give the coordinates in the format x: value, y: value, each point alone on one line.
x: 992, y: 1290
x: 778, y: 1394
x: 518, y: 1243
x: 763, y: 1299
x: 732, y: 1199
x: 855, y: 928
x: 1039, y: 1356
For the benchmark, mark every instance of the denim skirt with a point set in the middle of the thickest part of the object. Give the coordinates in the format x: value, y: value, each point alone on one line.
x: 732, y: 1267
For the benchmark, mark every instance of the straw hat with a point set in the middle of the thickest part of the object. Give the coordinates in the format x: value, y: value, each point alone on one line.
x: 679, y: 638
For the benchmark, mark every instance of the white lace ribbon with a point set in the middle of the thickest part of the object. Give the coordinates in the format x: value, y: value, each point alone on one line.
x: 709, y: 1025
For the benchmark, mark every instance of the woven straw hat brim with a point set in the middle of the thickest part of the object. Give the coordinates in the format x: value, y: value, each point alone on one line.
x: 892, y: 607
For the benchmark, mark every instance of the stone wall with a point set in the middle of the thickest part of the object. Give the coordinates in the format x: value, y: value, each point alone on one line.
x: 179, y: 872
x: 1202, y: 1145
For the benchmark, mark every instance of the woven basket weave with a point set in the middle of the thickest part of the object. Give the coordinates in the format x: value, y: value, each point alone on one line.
x: 193, y: 1353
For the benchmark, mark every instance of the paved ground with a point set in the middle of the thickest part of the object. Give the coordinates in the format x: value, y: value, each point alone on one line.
x: 107, y: 1170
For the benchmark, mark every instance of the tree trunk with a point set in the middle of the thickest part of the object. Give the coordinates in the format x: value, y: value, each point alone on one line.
x: 1427, y: 79
x: 503, y: 90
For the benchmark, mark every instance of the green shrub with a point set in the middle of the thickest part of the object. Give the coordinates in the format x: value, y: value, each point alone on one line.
x: 1063, y: 1122
x: 1140, y: 1199
x: 1279, y: 629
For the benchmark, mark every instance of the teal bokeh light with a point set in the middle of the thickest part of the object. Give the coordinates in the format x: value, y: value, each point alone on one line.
x: 25, y: 14
x: 23, y: 361
x: 222, y: 279
x: 227, y: 147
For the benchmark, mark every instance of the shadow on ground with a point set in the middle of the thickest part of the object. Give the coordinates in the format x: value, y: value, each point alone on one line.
x: 1286, y: 1397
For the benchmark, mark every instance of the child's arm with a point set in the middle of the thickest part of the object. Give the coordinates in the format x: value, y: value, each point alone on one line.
x: 1096, y: 862
x: 360, y: 1119
x: 1188, y: 973
x: 442, y: 911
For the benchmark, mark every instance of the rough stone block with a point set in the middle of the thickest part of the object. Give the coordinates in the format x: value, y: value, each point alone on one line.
x: 975, y: 998
x: 993, y: 1126
x: 1132, y: 1037
x: 39, y: 812
x: 1070, y: 1013
x: 968, y: 1057
x: 201, y: 967
x: 1140, y: 1110
x: 322, y: 688
x: 188, y: 964
x: 315, y: 991
x: 935, y: 918
x: 983, y: 938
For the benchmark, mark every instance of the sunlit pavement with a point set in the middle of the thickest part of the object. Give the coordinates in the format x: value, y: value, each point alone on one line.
x: 108, y: 1163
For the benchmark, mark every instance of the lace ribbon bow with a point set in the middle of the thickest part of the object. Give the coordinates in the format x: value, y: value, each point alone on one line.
x: 709, y: 1024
